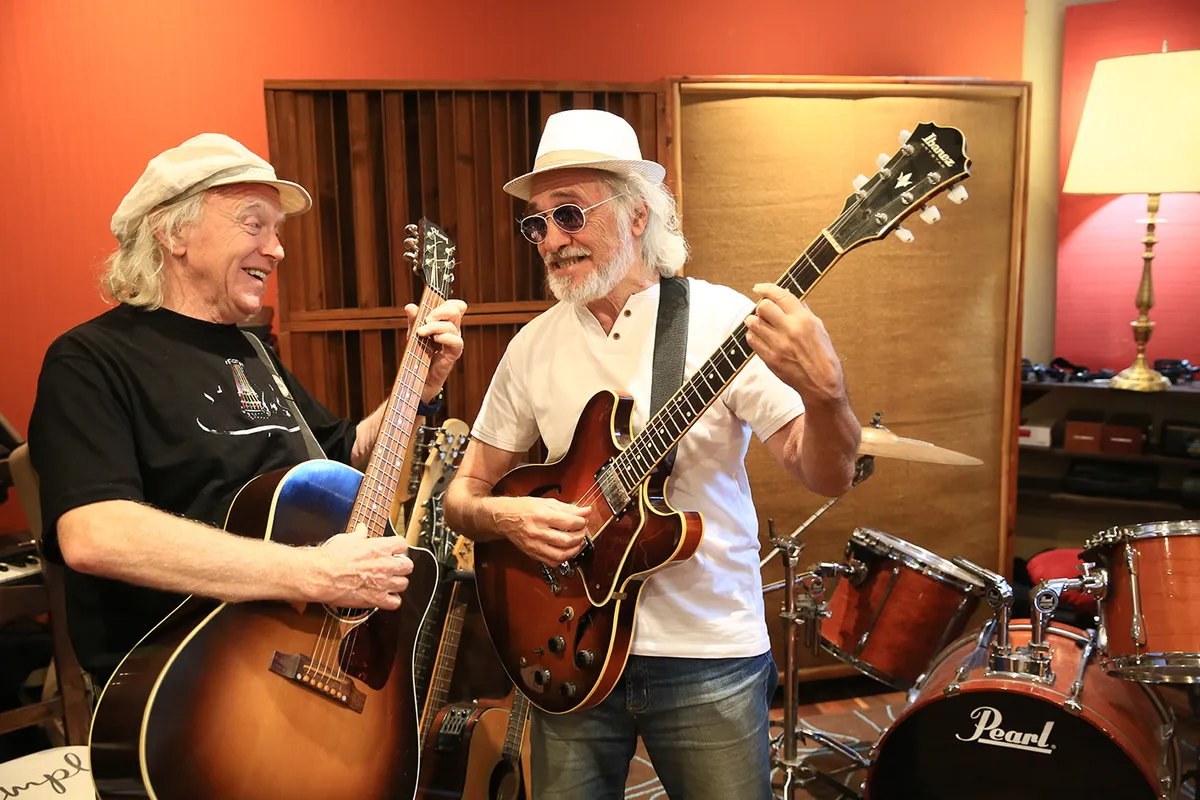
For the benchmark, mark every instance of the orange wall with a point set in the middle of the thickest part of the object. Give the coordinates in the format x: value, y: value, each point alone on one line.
x: 1100, y: 249
x: 89, y: 91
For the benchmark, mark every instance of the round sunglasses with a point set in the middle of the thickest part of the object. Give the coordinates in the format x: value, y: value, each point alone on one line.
x: 569, y: 218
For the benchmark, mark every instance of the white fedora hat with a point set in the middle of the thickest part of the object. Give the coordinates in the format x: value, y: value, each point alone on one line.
x: 586, y: 137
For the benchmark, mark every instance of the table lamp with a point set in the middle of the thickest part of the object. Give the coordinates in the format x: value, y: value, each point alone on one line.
x: 1140, y: 134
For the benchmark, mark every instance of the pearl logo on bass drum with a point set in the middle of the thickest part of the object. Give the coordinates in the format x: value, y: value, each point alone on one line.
x: 988, y: 731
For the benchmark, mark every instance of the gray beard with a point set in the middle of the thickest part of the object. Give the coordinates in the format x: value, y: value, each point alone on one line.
x: 602, y: 280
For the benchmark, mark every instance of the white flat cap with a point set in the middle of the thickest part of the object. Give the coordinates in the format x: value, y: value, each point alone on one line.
x: 202, y: 162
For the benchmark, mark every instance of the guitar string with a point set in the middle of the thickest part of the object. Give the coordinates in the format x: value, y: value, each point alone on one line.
x: 367, y: 512
x: 639, y: 446
x: 328, y: 645
x: 420, y: 352
x: 675, y: 404
x: 385, y: 461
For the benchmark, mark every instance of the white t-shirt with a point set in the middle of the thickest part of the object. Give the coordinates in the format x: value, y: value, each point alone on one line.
x: 711, y: 605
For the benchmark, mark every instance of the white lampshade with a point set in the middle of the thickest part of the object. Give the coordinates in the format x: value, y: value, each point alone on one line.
x: 1140, y: 132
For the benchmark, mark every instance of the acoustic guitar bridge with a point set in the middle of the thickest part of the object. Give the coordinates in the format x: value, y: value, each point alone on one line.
x: 299, y: 669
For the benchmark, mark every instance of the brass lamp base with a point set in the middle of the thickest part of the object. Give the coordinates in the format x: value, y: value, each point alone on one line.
x: 1138, y: 377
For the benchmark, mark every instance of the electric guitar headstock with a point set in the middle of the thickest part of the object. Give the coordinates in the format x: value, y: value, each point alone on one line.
x: 432, y: 254
x: 931, y: 160
x: 444, y: 453
x: 464, y: 554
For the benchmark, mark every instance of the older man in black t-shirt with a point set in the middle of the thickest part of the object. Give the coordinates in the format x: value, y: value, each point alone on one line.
x: 150, y: 417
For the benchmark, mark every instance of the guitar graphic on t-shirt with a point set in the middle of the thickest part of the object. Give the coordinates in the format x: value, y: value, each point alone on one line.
x: 265, y: 407
x: 252, y: 405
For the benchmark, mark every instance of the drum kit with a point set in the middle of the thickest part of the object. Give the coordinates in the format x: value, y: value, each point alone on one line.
x: 1018, y: 708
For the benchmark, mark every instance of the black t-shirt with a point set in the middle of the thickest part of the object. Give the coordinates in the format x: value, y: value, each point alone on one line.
x: 162, y: 409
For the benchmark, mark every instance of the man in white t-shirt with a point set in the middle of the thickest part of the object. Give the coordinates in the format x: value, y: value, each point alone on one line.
x: 698, y: 684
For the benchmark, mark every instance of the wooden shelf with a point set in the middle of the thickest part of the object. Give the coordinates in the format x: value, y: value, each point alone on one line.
x: 1032, y: 391
x: 1142, y: 458
x: 1186, y: 388
x: 1060, y: 497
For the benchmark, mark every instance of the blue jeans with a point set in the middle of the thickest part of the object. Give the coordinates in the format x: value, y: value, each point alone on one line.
x: 704, y: 722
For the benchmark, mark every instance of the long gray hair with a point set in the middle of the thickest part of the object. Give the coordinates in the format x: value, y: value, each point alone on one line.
x: 133, y: 273
x: 664, y: 249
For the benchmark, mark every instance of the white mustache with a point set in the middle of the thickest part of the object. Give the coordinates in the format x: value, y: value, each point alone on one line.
x: 564, y: 254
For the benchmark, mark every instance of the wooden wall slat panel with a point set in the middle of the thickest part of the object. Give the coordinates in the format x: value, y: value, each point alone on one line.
x: 502, y: 265
x: 326, y: 267
x: 395, y: 166
x: 379, y: 157
x: 484, y: 255
x: 465, y: 232
x: 446, y: 213
x: 376, y: 386
x: 351, y: 364
x: 362, y: 218
x: 302, y: 290
x: 521, y: 155
x: 428, y: 145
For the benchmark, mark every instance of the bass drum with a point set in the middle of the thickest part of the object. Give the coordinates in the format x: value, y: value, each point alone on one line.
x: 970, y: 734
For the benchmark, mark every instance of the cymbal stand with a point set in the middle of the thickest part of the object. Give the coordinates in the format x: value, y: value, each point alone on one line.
x: 796, y: 610
x: 864, y: 468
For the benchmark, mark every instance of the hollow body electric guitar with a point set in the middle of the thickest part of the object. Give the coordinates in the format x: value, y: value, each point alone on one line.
x: 563, y: 633
x: 242, y: 701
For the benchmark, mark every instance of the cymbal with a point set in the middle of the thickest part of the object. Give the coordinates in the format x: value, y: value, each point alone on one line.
x: 882, y: 442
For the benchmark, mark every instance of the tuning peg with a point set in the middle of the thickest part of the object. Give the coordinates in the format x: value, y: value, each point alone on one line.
x: 859, y: 182
x: 957, y: 194
x: 904, y: 136
x: 930, y: 215
x: 904, y: 235
x: 882, y: 160
x: 410, y: 229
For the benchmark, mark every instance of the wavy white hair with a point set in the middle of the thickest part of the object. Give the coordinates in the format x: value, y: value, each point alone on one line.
x: 664, y: 248
x: 133, y: 273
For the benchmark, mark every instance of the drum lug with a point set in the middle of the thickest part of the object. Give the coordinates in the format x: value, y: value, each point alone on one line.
x: 882, y: 604
x: 1137, y: 627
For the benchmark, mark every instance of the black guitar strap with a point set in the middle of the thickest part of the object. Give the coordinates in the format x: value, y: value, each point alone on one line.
x: 310, y: 441
x: 670, y: 347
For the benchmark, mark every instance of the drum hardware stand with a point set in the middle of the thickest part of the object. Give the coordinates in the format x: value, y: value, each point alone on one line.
x: 864, y: 468
x: 796, y: 610
x: 807, y: 609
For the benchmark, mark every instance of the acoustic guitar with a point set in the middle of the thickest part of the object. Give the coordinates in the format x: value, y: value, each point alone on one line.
x: 478, y: 752
x: 242, y: 701
x: 563, y: 633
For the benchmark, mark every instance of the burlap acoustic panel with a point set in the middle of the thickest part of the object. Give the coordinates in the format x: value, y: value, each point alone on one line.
x: 926, y: 330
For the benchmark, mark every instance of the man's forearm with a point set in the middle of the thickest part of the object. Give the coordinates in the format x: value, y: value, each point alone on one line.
x: 126, y: 541
x: 829, y: 447
x: 466, y: 509
x: 366, y: 434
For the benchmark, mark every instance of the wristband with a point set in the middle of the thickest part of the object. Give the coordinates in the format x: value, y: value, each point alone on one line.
x: 429, y: 409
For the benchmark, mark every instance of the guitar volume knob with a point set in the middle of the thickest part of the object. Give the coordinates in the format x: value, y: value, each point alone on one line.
x: 541, y: 677
x: 568, y: 689
x: 584, y: 658
x: 557, y: 644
